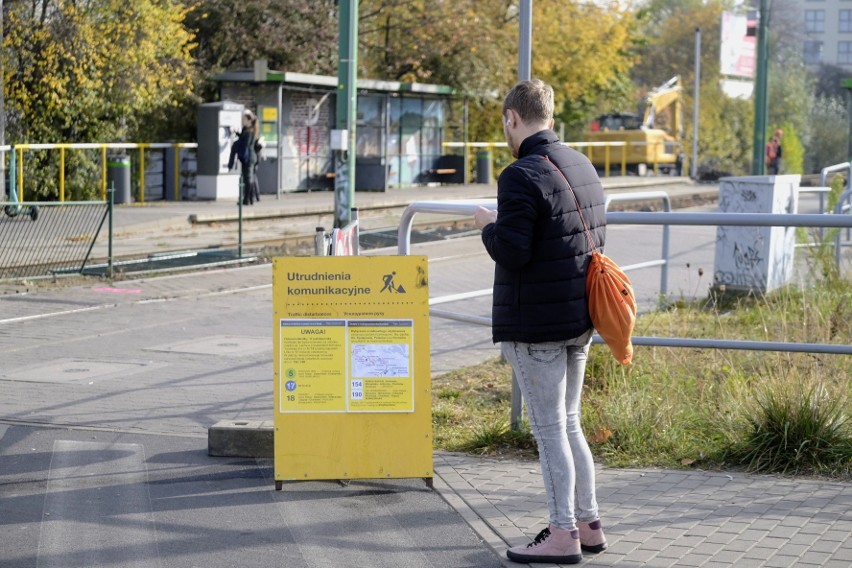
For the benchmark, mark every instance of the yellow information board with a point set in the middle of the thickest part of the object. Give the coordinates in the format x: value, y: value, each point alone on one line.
x: 352, y: 376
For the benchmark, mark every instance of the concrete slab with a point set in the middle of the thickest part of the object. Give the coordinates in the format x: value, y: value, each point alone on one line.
x: 218, y: 345
x: 241, y: 439
x: 74, y: 371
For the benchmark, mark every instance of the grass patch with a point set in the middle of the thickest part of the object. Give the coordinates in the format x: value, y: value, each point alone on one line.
x: 678, y: 408
x: 470, y: 412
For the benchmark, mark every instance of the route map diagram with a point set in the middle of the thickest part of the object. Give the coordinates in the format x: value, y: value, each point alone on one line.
x: 380, y: 360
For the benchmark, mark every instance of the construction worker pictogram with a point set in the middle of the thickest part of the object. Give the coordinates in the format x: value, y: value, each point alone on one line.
x: 390, y: 286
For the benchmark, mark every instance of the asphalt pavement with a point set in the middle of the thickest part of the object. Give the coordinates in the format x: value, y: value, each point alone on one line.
x: 107, y: 390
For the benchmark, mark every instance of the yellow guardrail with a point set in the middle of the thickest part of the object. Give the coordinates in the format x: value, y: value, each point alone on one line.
x: 606, y: 146
x: 587, y: 146
x: 20, y: 149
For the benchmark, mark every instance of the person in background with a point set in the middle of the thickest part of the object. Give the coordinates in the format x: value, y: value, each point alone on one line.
x: 243, y: 149
x: 773, y: 153
x: 540, y: 313
x: 259, y: 145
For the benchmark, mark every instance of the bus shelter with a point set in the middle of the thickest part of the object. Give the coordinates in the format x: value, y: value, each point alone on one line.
x: 400, y: 128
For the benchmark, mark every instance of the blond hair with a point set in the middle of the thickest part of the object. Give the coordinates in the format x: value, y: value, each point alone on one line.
x: 532, y: 100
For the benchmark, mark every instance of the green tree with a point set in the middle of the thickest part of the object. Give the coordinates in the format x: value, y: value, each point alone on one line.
x: 467, y: 44
x: 292, y: 35
x: 724, y: 129
x: 586, y: 51
x: 829, y: 144
x: 92, y: 71
x: 793, y: 153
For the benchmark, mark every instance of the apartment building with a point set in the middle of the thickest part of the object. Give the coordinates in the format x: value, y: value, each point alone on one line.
x: 827, y: 31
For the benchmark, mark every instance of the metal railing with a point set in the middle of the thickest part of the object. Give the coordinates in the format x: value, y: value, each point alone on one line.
x: 844, y: 166
x: 822, y: 191
x: 844, y: 204
x: 20, y: 150
x: 468, y: 207
x: 587, y: 148
x: 663, y: 262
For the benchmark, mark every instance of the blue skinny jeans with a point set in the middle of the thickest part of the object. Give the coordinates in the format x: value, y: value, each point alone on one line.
x: 550, y: 376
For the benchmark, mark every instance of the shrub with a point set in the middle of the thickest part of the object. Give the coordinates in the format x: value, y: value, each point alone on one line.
x: 795, y: 431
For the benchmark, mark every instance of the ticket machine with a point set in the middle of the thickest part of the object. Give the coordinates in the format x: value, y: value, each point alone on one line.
x: 219, y: 124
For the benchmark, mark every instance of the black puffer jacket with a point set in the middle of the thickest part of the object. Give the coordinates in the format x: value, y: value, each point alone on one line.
x: 538, y: 243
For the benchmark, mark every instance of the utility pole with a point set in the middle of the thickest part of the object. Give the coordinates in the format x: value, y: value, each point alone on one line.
x: 697, y: 89
x: 760, y: 95
x: 2, y: 111
x: 524, y: 74
x: 525, y: 42
x: 847, y: 84
x: 347, y: 98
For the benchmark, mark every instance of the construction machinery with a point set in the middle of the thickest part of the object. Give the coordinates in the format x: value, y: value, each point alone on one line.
x: 628, y: 142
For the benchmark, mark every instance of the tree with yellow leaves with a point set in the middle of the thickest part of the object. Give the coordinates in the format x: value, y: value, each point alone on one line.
x: 99, y: 70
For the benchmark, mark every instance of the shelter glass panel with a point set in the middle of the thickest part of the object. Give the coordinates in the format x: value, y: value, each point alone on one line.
x: 369, y: 141
x: 411, y: 123
x: 371, y: 110
x: 394, y: 129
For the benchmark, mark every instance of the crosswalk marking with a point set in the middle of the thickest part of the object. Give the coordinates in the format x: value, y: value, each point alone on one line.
x: 97, y: 510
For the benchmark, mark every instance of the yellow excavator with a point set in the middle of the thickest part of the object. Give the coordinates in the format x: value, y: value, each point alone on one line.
x: 646, y: 147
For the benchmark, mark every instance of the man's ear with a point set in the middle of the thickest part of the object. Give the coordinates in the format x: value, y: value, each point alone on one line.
x: 550, y: 125
x: 511, y: 117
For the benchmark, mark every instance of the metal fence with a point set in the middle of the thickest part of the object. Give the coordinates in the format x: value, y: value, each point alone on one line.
x: 51, y: 239
x: 48, y: 238
x: 665, y: 219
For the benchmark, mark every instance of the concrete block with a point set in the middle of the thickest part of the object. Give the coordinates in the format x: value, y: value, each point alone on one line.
x: 241, y: 439
x: 756, y: 258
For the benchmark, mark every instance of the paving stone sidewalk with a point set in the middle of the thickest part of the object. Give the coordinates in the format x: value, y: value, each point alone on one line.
x: 662, y: 518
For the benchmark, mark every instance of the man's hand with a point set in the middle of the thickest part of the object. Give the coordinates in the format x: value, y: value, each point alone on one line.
x: 483, y: 216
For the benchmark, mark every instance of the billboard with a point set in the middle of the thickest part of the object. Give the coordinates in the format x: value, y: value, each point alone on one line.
x: 739, y: 48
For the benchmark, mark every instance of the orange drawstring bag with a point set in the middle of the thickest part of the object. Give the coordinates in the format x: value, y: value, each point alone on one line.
x: 612, y: 303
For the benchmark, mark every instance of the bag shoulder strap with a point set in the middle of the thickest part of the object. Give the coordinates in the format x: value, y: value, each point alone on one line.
x: 577, y: 201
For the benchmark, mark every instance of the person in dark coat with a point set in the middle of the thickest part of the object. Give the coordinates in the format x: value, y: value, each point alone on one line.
x: 243, y: 149
x: 540, y: 313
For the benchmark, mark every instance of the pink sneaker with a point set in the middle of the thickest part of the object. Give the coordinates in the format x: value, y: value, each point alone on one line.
x: 554, y: 545
x: 592, y: 537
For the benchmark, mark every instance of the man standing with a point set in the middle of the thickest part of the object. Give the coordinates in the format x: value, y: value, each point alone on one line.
x: 540, y: 312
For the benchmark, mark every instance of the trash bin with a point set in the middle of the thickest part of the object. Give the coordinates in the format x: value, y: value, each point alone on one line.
x: 483, y: 166
x: 118, y: 177
x: 755, y: 259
